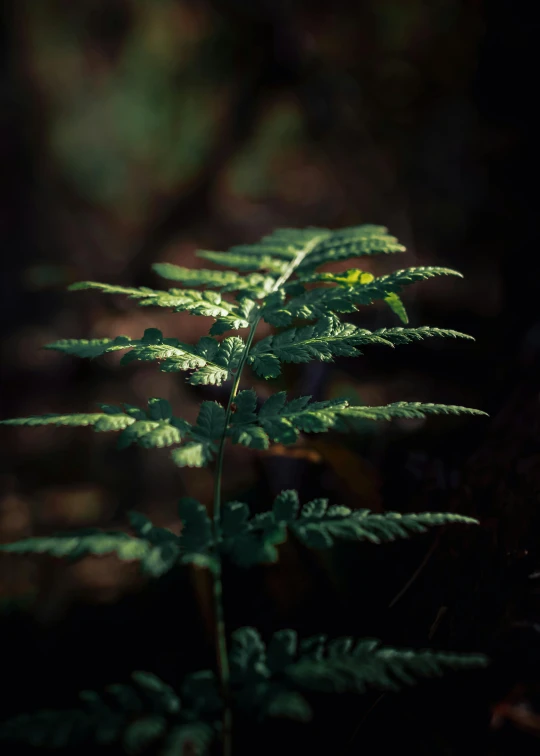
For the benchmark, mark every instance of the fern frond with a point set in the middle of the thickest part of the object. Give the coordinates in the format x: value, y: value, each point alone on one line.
x: 196, y: 539
x: 352, y: 288
x: 244, y: 261
x: 155, y: 428
x: 345, y: 666
x: 283, y: 421
x: 317, y: 525
x: 263, y: 675
x: 407, y: 410
x: 155, y: 556
x: 253, y: 285
x: 212, y: 360
x: 308, y: 305
x: 225, y: 361
x: 355, y: 241
x: 105, y: 719
x: 214, y: 279
x: 323, y: 341
x: 203, y: 437
x: 393, y: 282
x: 101, y: 421
x: 205, y: 303
x: 407, y: 335
x: 243, y: 318
x: 272, y: 253
x: 252, y: 540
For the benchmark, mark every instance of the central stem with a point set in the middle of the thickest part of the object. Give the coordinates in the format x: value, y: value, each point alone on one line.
x: 221, y: 637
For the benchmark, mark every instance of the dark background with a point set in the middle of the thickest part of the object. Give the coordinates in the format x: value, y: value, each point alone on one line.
x: 137, y: 131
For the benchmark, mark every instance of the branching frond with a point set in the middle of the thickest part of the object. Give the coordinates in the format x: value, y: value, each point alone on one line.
x: 253, y: 540
x: 139, y: 715
x: 407, y: 335
x: 254, y: 284
x: 155, y: 428
x: 197, y: 538
x: 206, y: 303
x: 327, y: 339
x: 157, y: 551
x: 267, y: 680
x: 283, y: 421
x: 275, y: 280
x: 355, y: 241
x: 348, y: 666
x: 351, y: 288
x: 203, y: 437
x: 213, y: 361
x: 317, y: 525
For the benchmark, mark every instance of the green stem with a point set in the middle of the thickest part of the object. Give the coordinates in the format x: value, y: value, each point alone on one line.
x: 221, y: 636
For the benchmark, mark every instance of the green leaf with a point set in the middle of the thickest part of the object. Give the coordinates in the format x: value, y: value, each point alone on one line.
x: 318, y: 525
x: 126, y: 697
x: 407, y: 410
x: 97, y: 722
x: 89, y: 348
x: 407, y: 335
x: 286, y: 506
x: 148, y: 434
x: 197, y: 276
x: 247, y: 656
x: 205, y: 303
x: 201, y: 691
x: 141, y: 733
x: 203, y: 437
x: 99, y: 420
x: 193, y: 454
x: 196, y: 538
x: 309, y: 305
x: 211, y: 360
x: 58, y: 729
x: 250, y: 541
x: 243, y: 318
x: 283, y: 422
x: 243, y: 261
x: 351, y: 288
x: 289, y: 704
x: 158, y: 428
x: 397, y: 306
x: 254, y: 283
x: 355, y: 241
x: 323, y: 341
x: 243, y: 429
x: 235, y: 518
x: 155, y: 559
x: 225, y: 361
x: 163, y: 697
x: 369, y: 664
x: 282, y: 650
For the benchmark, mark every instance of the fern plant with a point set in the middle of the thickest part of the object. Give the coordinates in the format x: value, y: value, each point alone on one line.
x: 276, y: 281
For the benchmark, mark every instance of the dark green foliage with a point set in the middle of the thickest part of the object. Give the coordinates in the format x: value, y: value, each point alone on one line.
x: 139, y: 714
x: 327, y: 339
x: 203, y: 437
x: 156, y: 427
x: 282, y: 421
x: 211, y: 360
x: 276, y: 280
x: 346, y: 665
x: 156, y: 549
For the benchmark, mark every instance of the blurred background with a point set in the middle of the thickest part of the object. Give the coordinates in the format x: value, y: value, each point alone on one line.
x: 136, y: 131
